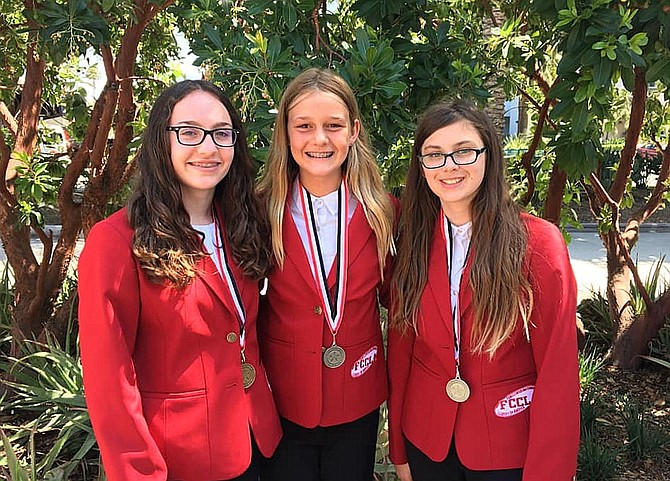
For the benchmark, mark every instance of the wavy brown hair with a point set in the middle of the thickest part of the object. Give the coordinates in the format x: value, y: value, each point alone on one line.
x: 360, y: 168
x: 167, y: 247
x: 498, y: 244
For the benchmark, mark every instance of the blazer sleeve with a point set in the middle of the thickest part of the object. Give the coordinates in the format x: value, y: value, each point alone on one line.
x: 109, y: 307
x: 400, y: 347
x: 554, y: 414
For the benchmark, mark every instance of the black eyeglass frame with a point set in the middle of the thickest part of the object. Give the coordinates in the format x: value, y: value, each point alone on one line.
x: 446, y: 155
x: 177, y: 129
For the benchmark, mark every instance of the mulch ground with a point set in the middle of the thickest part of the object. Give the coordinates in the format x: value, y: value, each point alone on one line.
x: 650, y: 385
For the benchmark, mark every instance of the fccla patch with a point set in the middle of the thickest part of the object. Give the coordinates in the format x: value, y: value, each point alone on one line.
x: 364, y: 362
x: 515, y: 402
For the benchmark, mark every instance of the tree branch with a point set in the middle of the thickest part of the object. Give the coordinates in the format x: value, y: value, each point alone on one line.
x: 318, y: 39
x: 623, y: 245
x: 632, y: 135
x: 527, y: 157
x: 8, y: 119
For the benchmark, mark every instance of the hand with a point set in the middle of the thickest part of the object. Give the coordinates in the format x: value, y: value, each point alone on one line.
x: 403, y: 472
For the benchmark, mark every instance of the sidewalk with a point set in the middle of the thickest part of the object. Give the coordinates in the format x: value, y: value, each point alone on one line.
x: 589, y: 258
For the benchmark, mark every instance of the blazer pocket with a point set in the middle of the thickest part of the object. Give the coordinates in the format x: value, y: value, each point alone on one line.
x: 507, y: 407
x: 180, y: 425
x: 423, y: 365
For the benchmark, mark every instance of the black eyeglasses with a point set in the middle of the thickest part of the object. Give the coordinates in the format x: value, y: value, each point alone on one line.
x: 435, y: 160
x: 192, y: 136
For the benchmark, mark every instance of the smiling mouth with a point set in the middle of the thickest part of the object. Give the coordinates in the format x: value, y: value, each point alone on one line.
x: 452, y: 181
x: 319, y: 155
x: 205, y: 165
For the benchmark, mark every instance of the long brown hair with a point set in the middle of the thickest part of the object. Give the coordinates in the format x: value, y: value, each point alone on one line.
x: 360, y: 168
x: 167, y: 247
x: 498, y: 244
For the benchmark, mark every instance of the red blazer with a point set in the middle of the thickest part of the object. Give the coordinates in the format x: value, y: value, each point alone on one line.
x: 523, y: 410
x: 293, y: 330
x: 162, y: 371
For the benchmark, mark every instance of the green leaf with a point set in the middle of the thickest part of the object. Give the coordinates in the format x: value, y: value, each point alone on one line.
x: 581, y: 94
x: 602, y: 72
x: 580, y: 118
x: 393, y: 89
x: 658, y: 69
x: 628, y: 78
x: 214, y: 36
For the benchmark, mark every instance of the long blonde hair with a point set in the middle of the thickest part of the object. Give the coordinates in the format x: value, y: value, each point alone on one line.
x: 359, y: 169
x: 501, y: 291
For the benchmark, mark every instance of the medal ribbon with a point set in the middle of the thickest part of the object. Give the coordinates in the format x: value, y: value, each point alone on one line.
x: 455, y: 315
x: 227, y: 275
x: 335, y: 306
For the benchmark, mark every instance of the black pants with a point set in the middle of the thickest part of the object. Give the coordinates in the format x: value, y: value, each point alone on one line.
x: 345, y: 452
x: 451, y: 469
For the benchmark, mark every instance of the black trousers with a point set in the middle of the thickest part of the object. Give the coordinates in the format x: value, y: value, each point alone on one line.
x: 345, y: 452
x: 451, y: 469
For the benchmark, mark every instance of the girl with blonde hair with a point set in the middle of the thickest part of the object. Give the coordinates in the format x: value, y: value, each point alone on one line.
x: 332, y: 234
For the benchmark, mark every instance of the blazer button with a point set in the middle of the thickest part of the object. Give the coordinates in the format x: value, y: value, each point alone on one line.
x: 231, y: 337
x: 317, y: 310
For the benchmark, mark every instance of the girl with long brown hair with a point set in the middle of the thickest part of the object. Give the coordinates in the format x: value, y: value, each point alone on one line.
x: 168, y: 300
x: 482, y: 346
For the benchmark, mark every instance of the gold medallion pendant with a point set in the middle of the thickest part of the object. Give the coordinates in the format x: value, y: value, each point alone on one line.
x: 334, y: 356
x: 248, y: 375
x: 458, y: 390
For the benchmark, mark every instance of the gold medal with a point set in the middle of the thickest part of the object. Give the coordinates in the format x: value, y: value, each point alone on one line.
x: 248, y: 375
x: 458, y: 390
x: 334, y: 356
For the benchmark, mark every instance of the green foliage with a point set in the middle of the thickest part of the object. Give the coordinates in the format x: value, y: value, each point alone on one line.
x: 14, y: 471
x: 644, y: 440
x: 37, y: 185
x: 590, y: 410
x: 48, y: 393
x: 595, y: 461
x: 71, y: 27
x: 653, y: 284
x: 397, y: 56
x: 590, y: 363
x: 594, y: 313
x: 6, y: 301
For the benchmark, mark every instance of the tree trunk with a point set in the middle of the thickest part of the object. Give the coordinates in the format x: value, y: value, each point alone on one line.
x: 37, y: 284
x: 554, y: 200
x: 633, y: 337
x: 496, y: 106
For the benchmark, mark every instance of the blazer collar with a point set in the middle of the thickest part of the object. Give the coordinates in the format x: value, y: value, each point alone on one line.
x: 210, y: 276
x: 359, y: 233
x: 439, y: 273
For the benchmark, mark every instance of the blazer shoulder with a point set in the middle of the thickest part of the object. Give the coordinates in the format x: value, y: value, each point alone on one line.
x: 541, y: 232
x: 109, y: 230
x: 546, y: 246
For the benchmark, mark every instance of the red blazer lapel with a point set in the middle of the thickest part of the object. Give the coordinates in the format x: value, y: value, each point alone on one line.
x: 465, y: 293
x: 438, y: 284
x: 294, y: 249
x: 211, y: 277
x: 359, y: 234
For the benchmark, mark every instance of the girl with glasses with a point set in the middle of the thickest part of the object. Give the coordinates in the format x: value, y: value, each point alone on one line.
x: 168, y: 300
x: 332, y: 233
x: 482, y: 346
